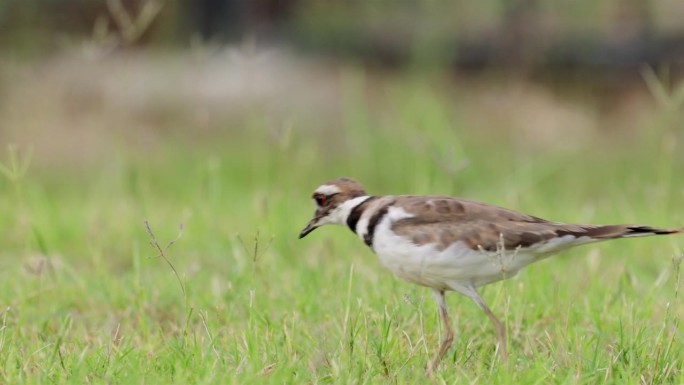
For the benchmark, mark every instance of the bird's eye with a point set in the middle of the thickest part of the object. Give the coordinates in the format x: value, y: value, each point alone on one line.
x: 320, y: 199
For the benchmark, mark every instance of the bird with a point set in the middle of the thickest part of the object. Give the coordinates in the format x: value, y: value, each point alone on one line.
x: 453, y: 244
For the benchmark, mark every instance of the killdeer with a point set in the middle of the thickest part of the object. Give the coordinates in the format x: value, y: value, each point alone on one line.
x: 453, y: 244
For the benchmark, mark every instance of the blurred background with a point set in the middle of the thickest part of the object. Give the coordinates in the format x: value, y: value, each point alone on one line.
x: 100, y: 73
x: 268, y: 94
x: 224, y: 115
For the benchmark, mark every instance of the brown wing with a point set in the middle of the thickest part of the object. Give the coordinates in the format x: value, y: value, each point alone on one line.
x: 445, y: 220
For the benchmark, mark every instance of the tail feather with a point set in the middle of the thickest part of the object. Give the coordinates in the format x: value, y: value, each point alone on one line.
x: 625, y: 231
x: 640, y: 230
x: 613, y: 231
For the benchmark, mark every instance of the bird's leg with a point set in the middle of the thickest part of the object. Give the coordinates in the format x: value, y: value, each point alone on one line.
x: 498, y: 326
x: 448, y: 338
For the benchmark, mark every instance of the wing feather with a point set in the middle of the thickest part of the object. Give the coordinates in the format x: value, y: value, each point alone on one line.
x: 445, y: 220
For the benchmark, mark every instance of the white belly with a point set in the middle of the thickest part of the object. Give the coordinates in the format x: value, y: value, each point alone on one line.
x: 442, y: 269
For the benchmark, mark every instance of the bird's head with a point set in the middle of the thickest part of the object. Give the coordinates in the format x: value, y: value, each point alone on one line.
x: 334, y: 200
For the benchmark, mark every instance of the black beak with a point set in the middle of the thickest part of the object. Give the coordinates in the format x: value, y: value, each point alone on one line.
x: 309, y: 228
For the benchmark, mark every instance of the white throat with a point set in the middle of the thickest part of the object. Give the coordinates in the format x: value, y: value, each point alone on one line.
x: 341, y: 213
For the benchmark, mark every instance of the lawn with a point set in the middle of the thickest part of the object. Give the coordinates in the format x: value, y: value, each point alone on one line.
x: 86, y: 297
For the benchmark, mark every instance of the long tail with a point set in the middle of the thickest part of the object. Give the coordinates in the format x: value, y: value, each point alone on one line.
x: 619, y: 231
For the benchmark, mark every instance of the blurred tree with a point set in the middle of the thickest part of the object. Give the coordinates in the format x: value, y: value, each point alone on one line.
x: 524, y: 35
x: 231, y: 20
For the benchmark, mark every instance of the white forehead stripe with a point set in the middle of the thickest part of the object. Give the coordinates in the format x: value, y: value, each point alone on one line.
x: 328, y: 189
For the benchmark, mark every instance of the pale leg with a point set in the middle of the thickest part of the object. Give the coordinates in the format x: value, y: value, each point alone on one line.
x: 498, y: 326
x: 448, y: 338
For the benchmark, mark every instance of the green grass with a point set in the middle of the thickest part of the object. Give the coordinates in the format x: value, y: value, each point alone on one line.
x: 85, y: 298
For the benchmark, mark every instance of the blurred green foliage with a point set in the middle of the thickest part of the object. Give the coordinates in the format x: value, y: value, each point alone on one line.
x: 84, y: 298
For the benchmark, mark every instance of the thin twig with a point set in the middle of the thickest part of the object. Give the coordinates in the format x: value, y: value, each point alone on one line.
x: 156, y: 245
x: 255, y: 252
